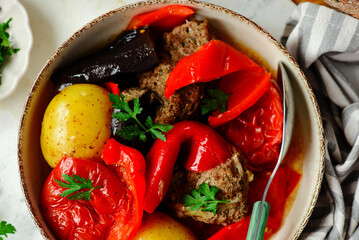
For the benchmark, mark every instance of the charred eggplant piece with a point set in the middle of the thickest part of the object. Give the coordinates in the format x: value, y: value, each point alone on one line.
x: 132, y: 52
x: 149, y: 103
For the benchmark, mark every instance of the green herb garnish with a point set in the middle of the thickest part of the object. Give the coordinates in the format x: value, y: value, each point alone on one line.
x: 217, y: 100
x: 137, y: 130
x: 204, y: 198
x: 6, y: 228
x: 75, y: 184
x: 5, y: 44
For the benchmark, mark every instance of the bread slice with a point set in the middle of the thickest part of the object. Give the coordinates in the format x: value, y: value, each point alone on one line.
x: 350, y: 7
x: 319, y: 2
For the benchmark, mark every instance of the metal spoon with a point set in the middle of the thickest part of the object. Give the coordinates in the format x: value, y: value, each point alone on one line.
x: 261, y: 208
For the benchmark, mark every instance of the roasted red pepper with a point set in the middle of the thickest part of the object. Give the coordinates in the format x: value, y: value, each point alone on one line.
x: 80, y: 219
x: 247, y: 83
x: 112, y: 87
x: 204, y: 148
x: 236, y: 231
x: 257, y: 132
x: 213, y: 60
x: 245, y: 87
x: 164, y: 19
x: 129, y: 166
x: 282, y: 186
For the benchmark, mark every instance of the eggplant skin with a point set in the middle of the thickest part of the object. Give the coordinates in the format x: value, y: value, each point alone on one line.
x: 131, y: 52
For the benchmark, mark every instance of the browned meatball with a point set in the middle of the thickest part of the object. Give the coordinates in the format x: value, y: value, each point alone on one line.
x: 182, y: 41
x: 232, y: 180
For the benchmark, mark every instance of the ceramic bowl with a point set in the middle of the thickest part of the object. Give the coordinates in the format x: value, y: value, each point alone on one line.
x: 21, y: 36
x: 34, y: 169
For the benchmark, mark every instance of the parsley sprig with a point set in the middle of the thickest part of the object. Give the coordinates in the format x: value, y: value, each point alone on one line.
x: 137, y: 130
x: 217, y: 100
x: 5, y: 44
x: 204, y: 198
x: 75, y: 184
x: 6, y: 228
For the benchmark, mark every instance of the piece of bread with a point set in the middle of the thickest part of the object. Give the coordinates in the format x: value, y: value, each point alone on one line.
x: 320, y: 2
x: 350, y: 7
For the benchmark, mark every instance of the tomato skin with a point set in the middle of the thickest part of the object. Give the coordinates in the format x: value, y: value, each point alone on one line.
x: 79, y: 219
x: 257, y: 132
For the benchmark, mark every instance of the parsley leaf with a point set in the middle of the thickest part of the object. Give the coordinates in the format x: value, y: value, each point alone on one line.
x: 217, y: 100
x: 131, y: 132
x: 6, y: 228
x: 5, y: 44
x: 74, y: 184
x: 138, y: 130
x: 157, y: 129
x: 204, y: 198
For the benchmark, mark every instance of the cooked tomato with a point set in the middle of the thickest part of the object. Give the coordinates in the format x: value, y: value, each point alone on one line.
x: 257, y: 132
x: 80, y: 219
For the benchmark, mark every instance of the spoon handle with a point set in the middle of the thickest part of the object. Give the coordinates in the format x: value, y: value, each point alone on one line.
x: 260, y: 213
x: 261, y: 209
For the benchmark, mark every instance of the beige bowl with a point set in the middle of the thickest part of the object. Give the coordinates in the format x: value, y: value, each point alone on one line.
x: 34, y: 169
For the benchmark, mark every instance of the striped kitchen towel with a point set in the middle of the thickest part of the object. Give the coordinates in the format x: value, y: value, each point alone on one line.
x: 326, y: 45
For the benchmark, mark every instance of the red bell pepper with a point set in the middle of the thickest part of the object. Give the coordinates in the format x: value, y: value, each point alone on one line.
x: 216, y: 59
x: 211, y: 61
x: 282, y: 186
x: 164, y: 19
x: 257, y: 132
x: 80, y: 219
x: 236, y: 231
x: 246, y: 87
x: 127, y: 164
x: 204, y: 147
x: 112, y: 87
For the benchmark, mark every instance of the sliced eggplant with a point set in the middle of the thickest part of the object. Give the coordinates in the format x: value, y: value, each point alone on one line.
x: 132, y: 52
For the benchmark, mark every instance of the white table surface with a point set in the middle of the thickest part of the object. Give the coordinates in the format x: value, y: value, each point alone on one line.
x: 52, y: 22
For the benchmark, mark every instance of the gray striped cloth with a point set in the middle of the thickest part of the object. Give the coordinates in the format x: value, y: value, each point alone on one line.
x: 326, y: 45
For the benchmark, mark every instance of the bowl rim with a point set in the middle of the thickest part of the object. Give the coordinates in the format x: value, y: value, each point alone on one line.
x: 211, y: 6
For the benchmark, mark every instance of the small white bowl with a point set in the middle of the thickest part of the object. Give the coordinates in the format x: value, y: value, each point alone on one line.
x: 34, y: 169
x: 21, y: 36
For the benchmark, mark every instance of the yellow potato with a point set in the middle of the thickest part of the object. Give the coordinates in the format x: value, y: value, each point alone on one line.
x: 76, y: 123
x: 160, y: 226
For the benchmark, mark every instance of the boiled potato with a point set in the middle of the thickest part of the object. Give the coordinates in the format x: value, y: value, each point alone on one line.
x: 76, y: 123
x: 160, y: 226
